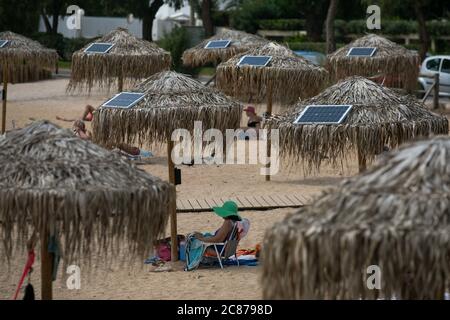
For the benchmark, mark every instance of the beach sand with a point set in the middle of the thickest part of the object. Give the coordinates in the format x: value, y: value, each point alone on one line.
x: 46, y: 99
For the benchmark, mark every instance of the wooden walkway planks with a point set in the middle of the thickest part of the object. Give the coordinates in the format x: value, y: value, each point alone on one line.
x: 244, y: 202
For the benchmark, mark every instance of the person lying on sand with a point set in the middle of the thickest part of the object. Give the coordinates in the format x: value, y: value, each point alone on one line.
x: 79, y: 129
x: 229, y: 213
x: 88, y: 115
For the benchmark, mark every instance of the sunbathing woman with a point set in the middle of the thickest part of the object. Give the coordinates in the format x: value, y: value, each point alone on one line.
x: 79, y: 129
x: 88, y: 115
x: 229, y: 212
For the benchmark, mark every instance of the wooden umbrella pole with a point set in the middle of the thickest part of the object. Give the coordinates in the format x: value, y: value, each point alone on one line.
x: 361, y: 161
x: 120, y: 80
x: 269, y: 113
x: 172, y: 206
x: 46, y: 267
x: 4, y: 97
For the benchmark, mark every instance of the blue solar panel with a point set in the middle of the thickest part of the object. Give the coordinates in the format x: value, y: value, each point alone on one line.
x: 218, y: 44
x: 361, y: 52
x: 256, y: 61
x: 99, y: 48
x: 3, y: 43
x: 124, y: 100
x: 323, y: 114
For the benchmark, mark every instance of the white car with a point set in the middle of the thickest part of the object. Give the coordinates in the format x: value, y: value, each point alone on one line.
x: 432, y: 65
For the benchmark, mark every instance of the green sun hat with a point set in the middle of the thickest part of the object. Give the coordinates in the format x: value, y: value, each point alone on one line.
x: 228, y: 209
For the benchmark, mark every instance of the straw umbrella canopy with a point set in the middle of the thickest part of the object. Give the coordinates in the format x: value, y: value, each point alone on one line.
x: 395, y: 216
x: 240, y: 42
x: 286, y: 78
x: 129, y: 59
x: 172, y: 101
x: 57, y: 184
x: 25, y: 59
x: 379, y: 117
x: 399, y: 65
x: 22, y: 60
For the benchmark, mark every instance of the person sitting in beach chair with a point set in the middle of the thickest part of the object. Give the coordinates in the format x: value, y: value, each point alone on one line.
x: 223, y: 243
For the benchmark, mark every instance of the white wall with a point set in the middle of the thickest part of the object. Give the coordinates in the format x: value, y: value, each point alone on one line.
x: 92, y: 27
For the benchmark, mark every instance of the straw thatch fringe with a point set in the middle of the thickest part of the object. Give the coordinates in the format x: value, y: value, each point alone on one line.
x: 240, y: 42
x: 172, y: 101
x: 395, y: 216
x: 26, y: 60
x: 396, y: 63
x: 379, y: 117
x: 131, y: 59
x: 290, y: 76
x: 92, y: 198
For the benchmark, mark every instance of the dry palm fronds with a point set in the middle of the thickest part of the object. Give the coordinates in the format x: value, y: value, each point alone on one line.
x: 290, y: 76
x: 379, y: 117
x: 399, y: 65
x: 131, y: 59
x: 172, y: 101
x: 93, y: 199
x: 395, y: 216
x: 26, y: 60
x: 240, y: 42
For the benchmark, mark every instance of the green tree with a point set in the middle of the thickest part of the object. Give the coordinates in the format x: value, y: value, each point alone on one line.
x: 146, y: 11
x: 329, y: 26
x: 19, y: 16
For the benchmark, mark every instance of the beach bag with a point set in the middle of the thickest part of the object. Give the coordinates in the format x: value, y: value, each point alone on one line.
x: 163, y: 251
x: 193, y: 253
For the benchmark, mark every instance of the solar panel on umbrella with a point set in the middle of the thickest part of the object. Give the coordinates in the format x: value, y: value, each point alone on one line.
x: 218, y: 44
x: 3, y: 43
x: 323, y: 114
x: 256, y: 61
x: 361, y: 52
x: 124, y: 100
x: 99, y: 47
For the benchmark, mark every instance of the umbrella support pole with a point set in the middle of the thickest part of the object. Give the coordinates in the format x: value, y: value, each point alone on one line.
x: 120, y: 82
x: 46, y: 267
x: 269, y: 113
x: 211, y: 80
x: 172, y: 206
x: 4, y: 97
x: 361, y: 162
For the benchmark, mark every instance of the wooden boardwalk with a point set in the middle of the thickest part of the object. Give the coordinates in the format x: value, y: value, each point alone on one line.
x: 244, y: 202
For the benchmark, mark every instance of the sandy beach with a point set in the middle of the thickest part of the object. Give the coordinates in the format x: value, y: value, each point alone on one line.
x: 46, y: 99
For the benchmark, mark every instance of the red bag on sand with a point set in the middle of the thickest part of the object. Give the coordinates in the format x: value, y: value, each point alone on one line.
x: 163, y: 252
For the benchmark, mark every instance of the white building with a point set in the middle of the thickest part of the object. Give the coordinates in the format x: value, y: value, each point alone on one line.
x: 90, y: 27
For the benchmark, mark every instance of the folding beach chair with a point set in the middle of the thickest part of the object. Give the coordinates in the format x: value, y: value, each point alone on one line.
x: 229, y: 247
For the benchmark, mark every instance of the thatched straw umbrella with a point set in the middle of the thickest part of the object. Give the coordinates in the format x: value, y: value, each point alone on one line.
x: 398, y: 65
x: 21, y: 60
x: 395, y: 216
x: 379, y: 117
x: 56, y: 184
x: 240, y: 42
x: 286, y: 78
x: 172, y: 101
x: 129, y: 59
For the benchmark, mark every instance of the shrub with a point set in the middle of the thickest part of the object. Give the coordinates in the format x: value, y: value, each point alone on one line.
x: 176, y: 42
